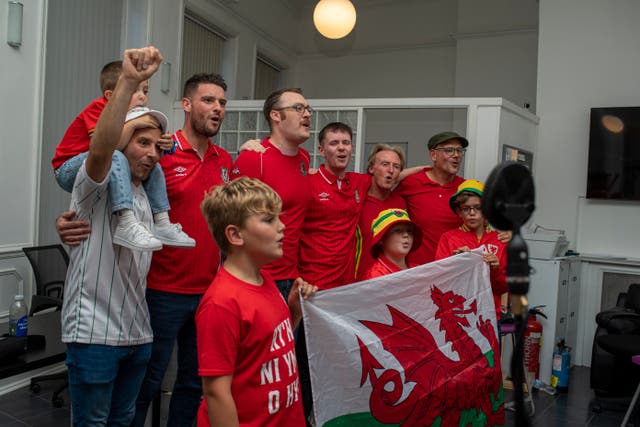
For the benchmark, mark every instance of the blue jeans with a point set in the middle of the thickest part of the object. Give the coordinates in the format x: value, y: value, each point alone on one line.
x: 119, y: 182
x: 172, y: 318
x: 104, y: 381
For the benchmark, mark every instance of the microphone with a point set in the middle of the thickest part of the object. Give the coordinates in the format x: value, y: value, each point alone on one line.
x: 507, y: 204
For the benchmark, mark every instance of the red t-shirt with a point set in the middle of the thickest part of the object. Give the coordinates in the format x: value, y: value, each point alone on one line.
x: 428, y: 207
x: 328, y: 246
x: 189, y: 270
x: 381, y: 266
x: 287, y: 175
x: 372, y: 207
x: 245, y: 331
x: 462, y: 236
x: 78, y: 135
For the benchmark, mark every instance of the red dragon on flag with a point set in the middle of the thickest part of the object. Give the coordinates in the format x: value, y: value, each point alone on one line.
x: 445, y: 392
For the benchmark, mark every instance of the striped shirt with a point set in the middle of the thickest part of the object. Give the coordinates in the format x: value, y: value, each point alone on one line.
x: 104, y: 296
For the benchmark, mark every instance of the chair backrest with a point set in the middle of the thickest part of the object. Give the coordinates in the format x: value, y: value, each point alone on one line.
x: 49, y: 265
x: 633, y: 298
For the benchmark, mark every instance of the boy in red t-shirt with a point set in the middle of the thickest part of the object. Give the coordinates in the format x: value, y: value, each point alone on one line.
x: 394, y: 237
x: 475, y: 233
x: 246, y: 354
x: 73, y: 149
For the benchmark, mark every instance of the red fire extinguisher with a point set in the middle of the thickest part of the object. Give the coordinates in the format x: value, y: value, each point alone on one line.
x: 532, y: 344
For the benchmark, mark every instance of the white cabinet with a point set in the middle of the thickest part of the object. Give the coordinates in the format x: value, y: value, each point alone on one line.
x: 556, y: 285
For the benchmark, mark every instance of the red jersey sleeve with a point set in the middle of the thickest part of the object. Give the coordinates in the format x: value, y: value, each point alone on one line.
x: 498, y: 276
x: 248, y: 163
x: 77, y: 137
x: 218, y: 339
x: 443, y: 250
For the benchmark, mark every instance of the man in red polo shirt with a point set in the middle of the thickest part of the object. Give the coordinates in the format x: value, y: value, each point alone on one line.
x: 328, y: 244
x: 385, y: 164
x: 283, y: 165
x: 179, y: 277
x: 427, y: 193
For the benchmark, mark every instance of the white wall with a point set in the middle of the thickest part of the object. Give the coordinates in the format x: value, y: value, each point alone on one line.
x: 413, y: 126
x: 20, y: 116
x: 425, y: 72
x: 274, y: 37
x: 588, y: 57
x: 80, y: 38
x: 496, y: 51
x: 498, y: 66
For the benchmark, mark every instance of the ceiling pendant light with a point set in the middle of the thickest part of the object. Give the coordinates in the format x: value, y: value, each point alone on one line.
x: 334, y: 19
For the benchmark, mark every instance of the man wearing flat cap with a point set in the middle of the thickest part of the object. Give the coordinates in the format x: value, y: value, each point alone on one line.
x: 427, y: 193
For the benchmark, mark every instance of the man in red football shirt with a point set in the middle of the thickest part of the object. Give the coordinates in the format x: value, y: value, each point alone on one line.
x: 328, y: 243
x: 385, y: 165
x: 283, y: 165
x: 427, y: 193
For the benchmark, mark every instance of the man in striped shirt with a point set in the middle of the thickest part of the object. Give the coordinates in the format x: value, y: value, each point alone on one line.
x: 105, y: 320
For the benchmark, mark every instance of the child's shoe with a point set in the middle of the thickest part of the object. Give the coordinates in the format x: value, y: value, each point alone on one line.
x: 173, y: 235
x: 136, y: 236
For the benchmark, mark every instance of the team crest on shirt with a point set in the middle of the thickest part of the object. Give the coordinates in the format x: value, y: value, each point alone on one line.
x: 324, y: 196
x: 303, y: 169
x: 224, y: 174
x: 491, y: 249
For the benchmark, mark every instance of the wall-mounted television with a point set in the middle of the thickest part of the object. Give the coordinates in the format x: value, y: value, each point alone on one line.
x: 614, y: 154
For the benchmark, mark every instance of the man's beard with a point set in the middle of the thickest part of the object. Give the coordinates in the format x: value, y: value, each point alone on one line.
x: 202, y: 129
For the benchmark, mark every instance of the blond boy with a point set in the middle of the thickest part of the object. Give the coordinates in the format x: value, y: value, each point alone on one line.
x: 246, y: 354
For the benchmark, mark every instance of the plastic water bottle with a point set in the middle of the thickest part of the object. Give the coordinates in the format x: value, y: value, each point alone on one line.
x: 18, y: 317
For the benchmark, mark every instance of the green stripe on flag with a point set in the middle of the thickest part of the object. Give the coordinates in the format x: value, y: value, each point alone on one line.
x: 362, y: 419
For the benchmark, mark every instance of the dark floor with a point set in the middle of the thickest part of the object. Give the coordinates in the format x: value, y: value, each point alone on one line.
x: 22, y: 408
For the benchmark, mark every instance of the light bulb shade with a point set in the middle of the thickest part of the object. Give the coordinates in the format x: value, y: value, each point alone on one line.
x: 165, y: 77
x: 14, y: 24
x: 334, y: 19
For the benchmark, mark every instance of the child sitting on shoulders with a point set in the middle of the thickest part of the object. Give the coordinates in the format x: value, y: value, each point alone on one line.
x: 246, y: 352
x: 475, y: 233
x: 73, y: 150
x: 394, y: 237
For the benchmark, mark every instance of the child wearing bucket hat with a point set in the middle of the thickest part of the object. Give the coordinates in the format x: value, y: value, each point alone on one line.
x: 475, y: 233
x: 394, y: 237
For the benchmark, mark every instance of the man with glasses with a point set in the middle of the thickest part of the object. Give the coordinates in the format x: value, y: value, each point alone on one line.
x: 283, y: 165
x: 427, y: 193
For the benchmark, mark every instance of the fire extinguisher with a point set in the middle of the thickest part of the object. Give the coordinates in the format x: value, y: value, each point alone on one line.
x: 532, y: 344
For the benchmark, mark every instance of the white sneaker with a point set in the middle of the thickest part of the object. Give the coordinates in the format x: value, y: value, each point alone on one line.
x: 173, y: 235
x: 136, y: 236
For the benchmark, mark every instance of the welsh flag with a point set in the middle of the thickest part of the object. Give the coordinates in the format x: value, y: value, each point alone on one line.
x: 414, y: 348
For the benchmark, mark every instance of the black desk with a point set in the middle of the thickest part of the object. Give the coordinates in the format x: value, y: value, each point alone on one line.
x: 52, y: 351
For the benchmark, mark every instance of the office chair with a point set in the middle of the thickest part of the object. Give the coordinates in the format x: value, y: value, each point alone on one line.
x: 614, y: 376
x: 49, y: 264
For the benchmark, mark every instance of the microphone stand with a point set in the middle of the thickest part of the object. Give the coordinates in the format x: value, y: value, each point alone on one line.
x: 518, y: 283
x: 508, y: 203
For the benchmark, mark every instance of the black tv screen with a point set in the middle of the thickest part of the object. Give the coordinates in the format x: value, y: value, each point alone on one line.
x: 614, y: 154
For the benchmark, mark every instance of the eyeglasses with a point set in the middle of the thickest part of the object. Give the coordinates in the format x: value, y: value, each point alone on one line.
x: 467, y: 209
x: 299, y: 108
x: 450, y: 150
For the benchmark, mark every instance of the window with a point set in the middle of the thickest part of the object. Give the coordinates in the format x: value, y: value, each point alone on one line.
x: 202, y: 48
x: 267, y: 78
